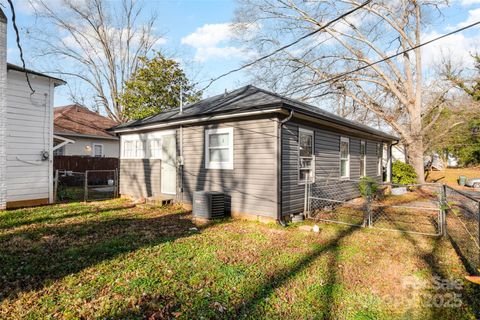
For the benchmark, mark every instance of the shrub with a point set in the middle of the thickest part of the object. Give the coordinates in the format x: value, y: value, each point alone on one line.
x: 403, y: 173
x: 363, y: 186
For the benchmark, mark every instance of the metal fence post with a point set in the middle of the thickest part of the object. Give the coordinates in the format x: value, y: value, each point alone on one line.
x: 305, y: 205
x: 115, y: 181
x: 55, y: 186
x: 85, y: 192
x: 478, y: 235
x: 443, y: 212
x: 368, y: 190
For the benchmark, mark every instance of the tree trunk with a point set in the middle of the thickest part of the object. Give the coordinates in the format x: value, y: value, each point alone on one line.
x: 414, y: 151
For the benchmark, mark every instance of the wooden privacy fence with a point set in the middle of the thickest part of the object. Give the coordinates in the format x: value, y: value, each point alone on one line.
x: 82, y: 164
x: 84, y: 178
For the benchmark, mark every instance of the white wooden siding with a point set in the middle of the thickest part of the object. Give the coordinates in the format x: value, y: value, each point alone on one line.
x: 29, y: 133
x: 3, y: 113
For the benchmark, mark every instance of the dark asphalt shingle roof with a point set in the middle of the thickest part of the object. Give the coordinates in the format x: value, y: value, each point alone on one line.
x: 248, y: 98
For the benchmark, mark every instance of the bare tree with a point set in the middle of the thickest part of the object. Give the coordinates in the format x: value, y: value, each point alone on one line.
x: 95, y: 41
x: 389, y: 92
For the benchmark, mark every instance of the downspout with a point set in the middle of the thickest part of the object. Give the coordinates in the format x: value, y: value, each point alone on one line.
x: 280, y: 220
x: 391, y: 160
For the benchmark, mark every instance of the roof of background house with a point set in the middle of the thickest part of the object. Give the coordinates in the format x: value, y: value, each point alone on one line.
x: 77, y: 120
x: 248, y: 98
x: 14, y: 67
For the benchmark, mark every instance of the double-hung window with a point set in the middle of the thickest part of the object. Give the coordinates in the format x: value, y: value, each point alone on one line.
x: 219, y: 148
x: 128, y: 149
x: 155, y: 148
x: 344, y: 157
x: 97, y: 150
x: 379, y: 153
x: 306, y: 156
x: 363, y: 158
x: 139, y: 149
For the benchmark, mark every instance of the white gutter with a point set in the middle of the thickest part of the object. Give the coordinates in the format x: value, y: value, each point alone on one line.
x: 201, y: 119
x: 65, y: 142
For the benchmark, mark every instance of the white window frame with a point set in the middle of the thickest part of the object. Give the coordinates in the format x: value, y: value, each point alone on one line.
x: 128, y: 153
x: 225, y: 165
x: 93, y: 150
x: 145, y: 138
x: 312, y: 169
x: 59, y: 151
x: 150, y: 153
x: 347, y: 140
x: 139, y: 152
x: 364, y: 143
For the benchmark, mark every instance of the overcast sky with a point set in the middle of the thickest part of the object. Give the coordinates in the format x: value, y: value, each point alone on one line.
x: 197, y: 32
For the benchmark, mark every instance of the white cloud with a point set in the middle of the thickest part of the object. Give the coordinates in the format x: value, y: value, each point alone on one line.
x: 456, y: 47
x: 209, y: 35
x: 469, y: 2
x: 214, y: 41
x: 473, y: 16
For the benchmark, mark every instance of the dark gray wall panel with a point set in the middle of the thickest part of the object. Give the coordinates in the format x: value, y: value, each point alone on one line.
x: 140, y: 178
x: 327, y: 165
x: 252, y: 184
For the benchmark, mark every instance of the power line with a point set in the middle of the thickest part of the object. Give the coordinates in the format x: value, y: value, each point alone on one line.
x: 287, y: 46
x: 17, y: 33
x: 397, y: 54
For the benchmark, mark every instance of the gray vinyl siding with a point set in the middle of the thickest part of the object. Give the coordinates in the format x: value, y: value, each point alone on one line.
x: 140, y: 178
x: 252, y: 184
x: 327, y: 165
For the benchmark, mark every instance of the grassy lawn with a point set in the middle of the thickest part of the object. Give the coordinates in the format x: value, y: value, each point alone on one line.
x: 450, y: 176
x: 111, y: 260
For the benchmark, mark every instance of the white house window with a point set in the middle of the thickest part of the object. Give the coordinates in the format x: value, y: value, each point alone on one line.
x: 219, y: 148
x: 306, y: 168
x: 97, y: 150
x: 155, y: 148
x: 59, y: 152
x: 363, y: 159
x: 344, y: 157
x: 139, y: 149
x: 128, y: 149
x: 379, y: 152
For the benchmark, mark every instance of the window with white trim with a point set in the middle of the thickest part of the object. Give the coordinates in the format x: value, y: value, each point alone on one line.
x: 344, y: 157
x: 128, y: 149
x: 219, y: 148
x: 59, y: 152
x: 363, y: 158
x: 139, y: 149
x: 379, y: 154
x: 306, y: 167
x: 155, y: 148
x: 98, y: 150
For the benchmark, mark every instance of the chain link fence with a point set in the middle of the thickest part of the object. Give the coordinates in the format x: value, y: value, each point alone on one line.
x: 336, y: 200
x: 426, y: 209
x: 463, y: 221
x: 90, y: 185
x: 406, y: 208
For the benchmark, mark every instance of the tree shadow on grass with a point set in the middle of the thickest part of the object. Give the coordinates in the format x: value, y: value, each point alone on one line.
x: 442, y: 302
x: 23, y: 217
x: 155, y: 307
x: 32, y: 258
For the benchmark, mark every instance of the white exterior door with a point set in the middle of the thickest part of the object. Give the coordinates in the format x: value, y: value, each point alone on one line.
x: 169, y: 169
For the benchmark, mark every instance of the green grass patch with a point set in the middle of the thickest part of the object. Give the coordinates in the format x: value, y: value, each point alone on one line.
x: 111, y: 260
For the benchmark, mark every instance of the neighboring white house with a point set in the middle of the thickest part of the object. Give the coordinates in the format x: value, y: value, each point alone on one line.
x: 399, y: 153
x: 26, y: 133
x: 87, y: 131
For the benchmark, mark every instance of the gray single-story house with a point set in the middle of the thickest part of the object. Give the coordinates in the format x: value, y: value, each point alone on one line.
x: 255, y: 146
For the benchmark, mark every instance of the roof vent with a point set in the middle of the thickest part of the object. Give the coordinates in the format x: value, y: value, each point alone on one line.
x: 208, y: 205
